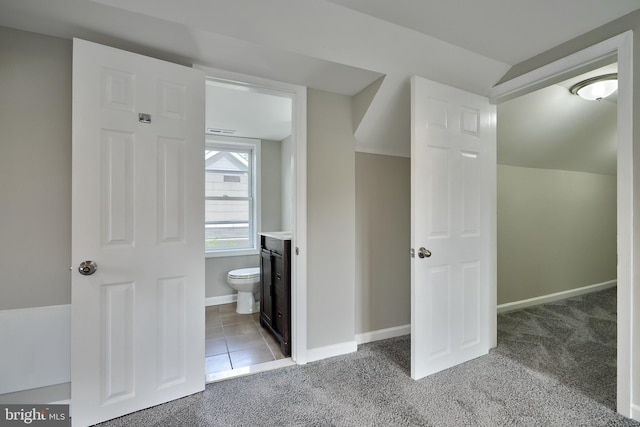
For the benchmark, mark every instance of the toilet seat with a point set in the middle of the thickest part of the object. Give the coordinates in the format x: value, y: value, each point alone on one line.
x: 245, y: 273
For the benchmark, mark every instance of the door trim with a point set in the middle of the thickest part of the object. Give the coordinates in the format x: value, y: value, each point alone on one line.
x: 298, y: 96
x: 622, y: 47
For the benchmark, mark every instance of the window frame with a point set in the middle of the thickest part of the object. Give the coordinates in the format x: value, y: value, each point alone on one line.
x: 253, y: 145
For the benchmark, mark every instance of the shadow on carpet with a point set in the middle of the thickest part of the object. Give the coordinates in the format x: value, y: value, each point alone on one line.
x: 573, y: 340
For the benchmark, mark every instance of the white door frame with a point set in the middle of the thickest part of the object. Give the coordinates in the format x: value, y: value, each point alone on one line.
x: 298, y: 95
x: 620, y: 46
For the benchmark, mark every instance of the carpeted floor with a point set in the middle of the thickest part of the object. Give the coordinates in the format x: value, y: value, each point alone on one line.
x: 572, y: 340
x: 554, y: 366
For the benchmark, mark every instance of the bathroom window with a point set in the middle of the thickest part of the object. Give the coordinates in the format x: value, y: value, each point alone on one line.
x: 231, y: 196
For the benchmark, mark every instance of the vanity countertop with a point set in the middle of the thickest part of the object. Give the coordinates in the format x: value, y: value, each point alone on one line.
x: 280, y: 235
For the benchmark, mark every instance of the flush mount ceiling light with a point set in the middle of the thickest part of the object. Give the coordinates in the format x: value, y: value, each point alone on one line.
x: 596, y: 88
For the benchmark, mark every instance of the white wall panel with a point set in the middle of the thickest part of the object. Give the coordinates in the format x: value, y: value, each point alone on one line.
x: 36, y: 347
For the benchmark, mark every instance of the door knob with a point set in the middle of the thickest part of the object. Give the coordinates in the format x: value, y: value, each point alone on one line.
x: 87, y: 268
x: 424, y: 253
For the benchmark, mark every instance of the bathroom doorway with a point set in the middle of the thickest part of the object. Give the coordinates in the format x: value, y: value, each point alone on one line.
x: 248, y: 115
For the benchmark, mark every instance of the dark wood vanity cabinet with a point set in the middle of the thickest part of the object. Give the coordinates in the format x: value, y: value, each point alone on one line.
x: 275, y: 284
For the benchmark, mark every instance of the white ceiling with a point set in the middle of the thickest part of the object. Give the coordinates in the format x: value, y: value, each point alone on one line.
x: 509, y: 31
x: 340, y: 45
x: 243, y: 112
x: 554, y: 129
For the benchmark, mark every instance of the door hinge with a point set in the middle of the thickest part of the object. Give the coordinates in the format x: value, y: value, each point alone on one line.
x: 413, y: 253
x: 297, y: 251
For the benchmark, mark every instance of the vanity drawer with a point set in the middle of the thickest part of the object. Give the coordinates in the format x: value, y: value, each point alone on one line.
x: 271, y: 244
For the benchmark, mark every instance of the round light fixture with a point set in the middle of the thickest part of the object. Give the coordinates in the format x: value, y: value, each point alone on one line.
x: 596, y: 88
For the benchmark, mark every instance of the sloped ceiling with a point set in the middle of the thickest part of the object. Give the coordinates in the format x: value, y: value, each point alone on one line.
x: 342, y: 45
x: 554, y: 129
x: 508, y: 31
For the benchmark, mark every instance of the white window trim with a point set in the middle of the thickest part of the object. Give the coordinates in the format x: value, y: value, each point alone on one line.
x: 254, y: 145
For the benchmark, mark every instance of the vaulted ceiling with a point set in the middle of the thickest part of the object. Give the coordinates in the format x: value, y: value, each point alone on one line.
x: 508, y: 31
x: 342, y: 46
x: 554, y: 129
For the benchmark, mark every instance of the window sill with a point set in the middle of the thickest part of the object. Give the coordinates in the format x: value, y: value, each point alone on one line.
x: 232, y: 253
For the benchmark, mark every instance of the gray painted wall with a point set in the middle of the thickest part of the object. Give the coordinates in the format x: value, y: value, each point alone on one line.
x: 286, y: 168
x: 216, y: 270
x: 35, y: 170
x: 271, y: 185
x: 383, y: 227
x: 556, y: 231
x: 330, y: 219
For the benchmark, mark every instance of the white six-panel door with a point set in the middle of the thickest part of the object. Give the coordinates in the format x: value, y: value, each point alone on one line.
x: 137, y: 211
x: 453, y: 199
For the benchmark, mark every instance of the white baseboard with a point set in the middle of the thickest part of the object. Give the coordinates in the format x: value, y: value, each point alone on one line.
x: 224, y: 299
x: 383, y: 334
x: 36, y: 347
x: 635, y: 412
x: 502, y: 308
x: 315, y: 354
x: 53, y: 394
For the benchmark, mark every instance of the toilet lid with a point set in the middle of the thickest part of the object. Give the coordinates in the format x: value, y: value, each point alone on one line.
x: 245, y: 273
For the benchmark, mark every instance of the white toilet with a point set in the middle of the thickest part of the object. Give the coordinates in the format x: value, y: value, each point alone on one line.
x: 247, y: 282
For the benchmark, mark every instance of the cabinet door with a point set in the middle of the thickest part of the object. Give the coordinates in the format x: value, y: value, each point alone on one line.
x: 281, y: 306
x: 266, y: 283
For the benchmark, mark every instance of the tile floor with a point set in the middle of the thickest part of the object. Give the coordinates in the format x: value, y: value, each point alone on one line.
x: 235, y: 340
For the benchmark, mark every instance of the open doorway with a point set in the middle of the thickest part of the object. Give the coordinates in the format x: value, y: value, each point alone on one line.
x: 250, y: 191
x: 607, y: 51
x: 557, y: 235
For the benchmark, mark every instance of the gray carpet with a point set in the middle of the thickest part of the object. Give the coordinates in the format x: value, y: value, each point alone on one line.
x: 533, y: 378
x: 573, y: 340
